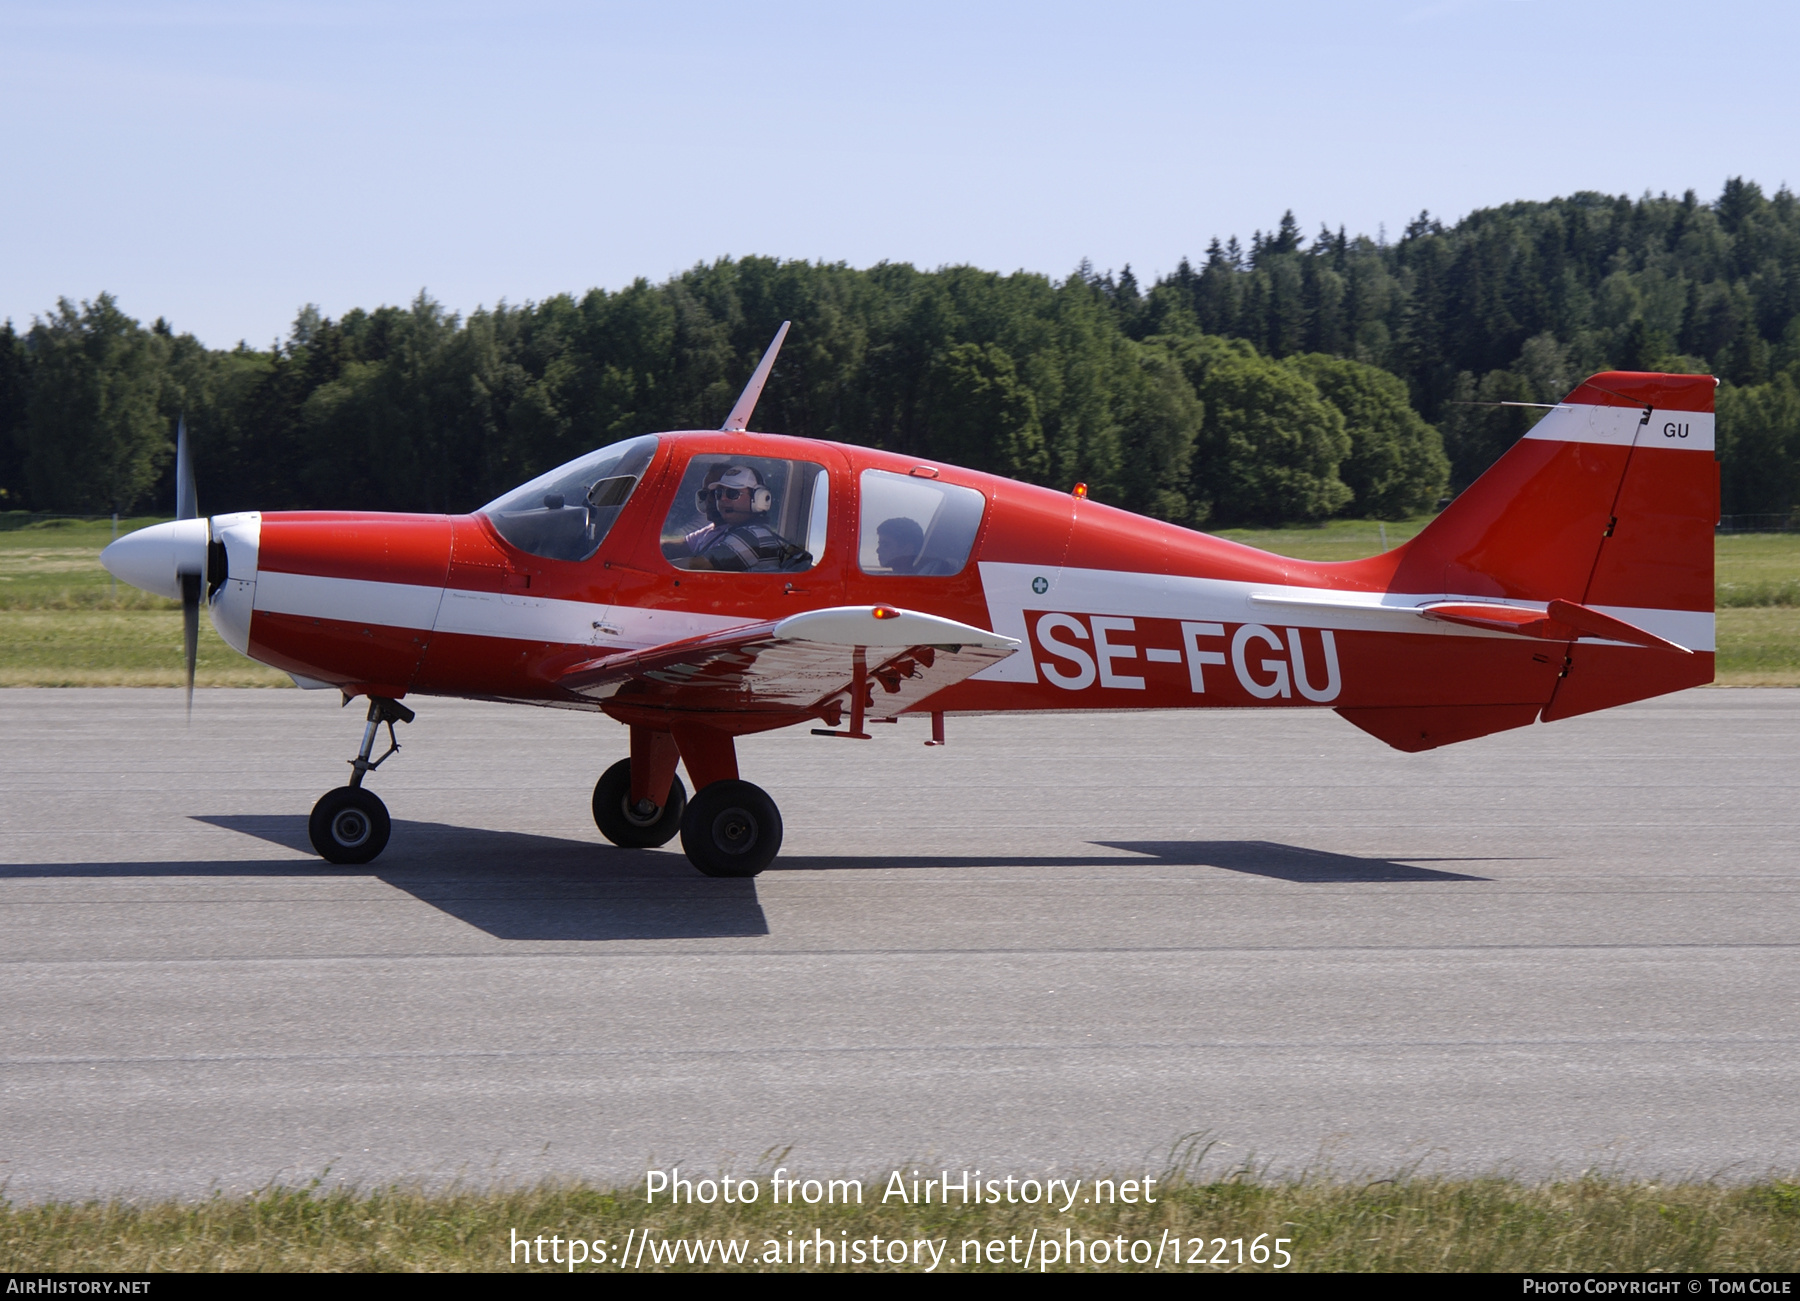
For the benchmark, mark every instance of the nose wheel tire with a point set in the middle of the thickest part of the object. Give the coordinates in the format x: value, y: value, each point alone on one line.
x: 635, y: 828
x: 731, y: 828
x: 349, y: 825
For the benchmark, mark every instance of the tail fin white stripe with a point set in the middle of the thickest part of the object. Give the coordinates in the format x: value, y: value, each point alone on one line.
x: 1688, y: 431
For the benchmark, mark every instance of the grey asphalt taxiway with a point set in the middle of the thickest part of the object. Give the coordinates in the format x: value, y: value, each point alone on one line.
x: 1059, y: 943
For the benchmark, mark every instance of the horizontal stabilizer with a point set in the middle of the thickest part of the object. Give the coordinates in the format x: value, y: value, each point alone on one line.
x: 1555, y: 621
x: 1592, y: 623
x: 1520, y: 620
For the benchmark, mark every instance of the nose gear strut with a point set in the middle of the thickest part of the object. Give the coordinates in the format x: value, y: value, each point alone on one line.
x: 381, y: 710
x: 350, y: 825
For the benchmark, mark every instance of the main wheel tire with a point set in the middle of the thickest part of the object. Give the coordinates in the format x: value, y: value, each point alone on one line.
x: 349, y: 825
x: 731, y: 828
x: 626, y: 826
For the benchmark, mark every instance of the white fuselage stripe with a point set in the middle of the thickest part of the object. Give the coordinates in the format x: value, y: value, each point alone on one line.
x: 518, y: 616
x: 1008, y: 587
x: 1011, y: 590
x: 352, y: 600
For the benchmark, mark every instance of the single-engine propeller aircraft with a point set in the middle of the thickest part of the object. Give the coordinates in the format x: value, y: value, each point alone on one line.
x: 703, y: 585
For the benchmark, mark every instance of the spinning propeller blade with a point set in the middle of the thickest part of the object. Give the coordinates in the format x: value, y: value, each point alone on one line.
x: 190, y: 629
x: 179, y: 558
x: 187, y: 505
x: 193, y: 581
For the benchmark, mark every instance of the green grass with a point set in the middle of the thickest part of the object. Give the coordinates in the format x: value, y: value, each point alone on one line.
x: 1757, y: 569
x: 1759, y: 647
x: 55, y: 565
x: 64, y: 622
x: 1750, y: 569
x: 1406, y: 1224
x: 117, y: 648
x: 1338, y: 539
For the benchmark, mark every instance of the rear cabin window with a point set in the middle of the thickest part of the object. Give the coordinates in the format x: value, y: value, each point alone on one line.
x: 916, y: 526
x: 748, y: 514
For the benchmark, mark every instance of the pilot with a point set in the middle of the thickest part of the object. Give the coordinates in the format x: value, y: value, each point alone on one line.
x: 898, y: 544
x: 735, y: 502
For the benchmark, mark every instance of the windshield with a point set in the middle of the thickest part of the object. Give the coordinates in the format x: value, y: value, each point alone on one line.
x: 565, y: 514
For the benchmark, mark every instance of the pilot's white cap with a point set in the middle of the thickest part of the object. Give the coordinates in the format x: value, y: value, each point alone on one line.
x: 737, y: 476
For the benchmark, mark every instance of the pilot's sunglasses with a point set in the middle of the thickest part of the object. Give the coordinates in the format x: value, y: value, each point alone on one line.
x: 729, y: 494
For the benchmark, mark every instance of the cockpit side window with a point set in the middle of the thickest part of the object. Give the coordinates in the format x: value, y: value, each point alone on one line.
x: 748, y: 514
x: 566, y: 514
x: 916, y: 526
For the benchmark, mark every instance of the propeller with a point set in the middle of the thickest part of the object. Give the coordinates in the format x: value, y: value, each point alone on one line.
x: 179, y: 559
x: 193, y: 581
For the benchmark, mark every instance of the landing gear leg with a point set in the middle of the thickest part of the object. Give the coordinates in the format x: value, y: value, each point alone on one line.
x: 731, y: 827
x: 351, y: 825
x: 638, y: 802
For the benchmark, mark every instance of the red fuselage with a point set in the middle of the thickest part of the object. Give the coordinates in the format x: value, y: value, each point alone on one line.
x: 1116, y: 611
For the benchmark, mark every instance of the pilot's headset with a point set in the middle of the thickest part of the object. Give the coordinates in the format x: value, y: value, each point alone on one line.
x: 736, y: 476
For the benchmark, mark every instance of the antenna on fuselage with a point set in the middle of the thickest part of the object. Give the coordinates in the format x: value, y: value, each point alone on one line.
x: 739, y: 419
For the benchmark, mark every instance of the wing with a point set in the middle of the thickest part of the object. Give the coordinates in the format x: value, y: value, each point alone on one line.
x: 804, y: 666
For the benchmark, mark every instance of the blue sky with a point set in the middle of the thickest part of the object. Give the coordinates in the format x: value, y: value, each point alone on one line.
x: 222, y: 163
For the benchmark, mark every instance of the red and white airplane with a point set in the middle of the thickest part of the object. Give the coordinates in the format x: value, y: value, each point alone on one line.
x: 704, y: 585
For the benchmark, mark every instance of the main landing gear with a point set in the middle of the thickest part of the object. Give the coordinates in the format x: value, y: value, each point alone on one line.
x: 728, y: 828
x: 350, y: 825
x: 636, y: 824
x: 731, y: 828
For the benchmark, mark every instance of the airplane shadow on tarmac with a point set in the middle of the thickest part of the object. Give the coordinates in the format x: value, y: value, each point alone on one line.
x: 512, y: 885
x: 1253, y: 857
x: 517, y: 886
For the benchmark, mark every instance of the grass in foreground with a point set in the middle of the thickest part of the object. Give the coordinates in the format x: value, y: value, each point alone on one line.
x: 1410, y: 1223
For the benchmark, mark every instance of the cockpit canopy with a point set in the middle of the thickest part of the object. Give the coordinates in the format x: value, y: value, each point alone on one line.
x: 566, y: 514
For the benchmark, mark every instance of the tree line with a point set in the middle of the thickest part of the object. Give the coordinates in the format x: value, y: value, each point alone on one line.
x: 1287, y: 380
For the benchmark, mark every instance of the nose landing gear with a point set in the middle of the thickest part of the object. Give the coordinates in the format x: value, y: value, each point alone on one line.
x: 350, y: 825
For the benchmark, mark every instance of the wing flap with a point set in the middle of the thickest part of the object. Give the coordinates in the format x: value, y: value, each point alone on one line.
x: 803, y: 665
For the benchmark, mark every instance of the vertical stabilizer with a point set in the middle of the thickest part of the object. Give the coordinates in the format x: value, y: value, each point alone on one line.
x: 1609, y: 502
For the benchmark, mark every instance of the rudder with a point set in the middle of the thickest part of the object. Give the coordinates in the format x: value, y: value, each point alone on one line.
x: 1609, y: 502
